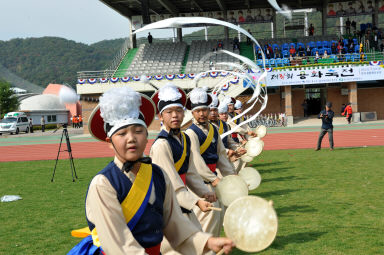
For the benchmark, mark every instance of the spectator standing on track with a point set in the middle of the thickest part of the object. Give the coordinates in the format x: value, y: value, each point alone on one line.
x: 305, y: 108
x: 42, y: 122
x: 342, y: 108
x: 327, y: 127
x: 80, y: 121
x: 30, y: 125
x: 348, y: 112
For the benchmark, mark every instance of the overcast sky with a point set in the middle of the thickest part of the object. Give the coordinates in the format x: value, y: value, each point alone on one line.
x: 86, y: 21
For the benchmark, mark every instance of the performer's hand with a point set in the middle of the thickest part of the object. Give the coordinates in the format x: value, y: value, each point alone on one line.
x: 251, y: 133
x: 203, y: 205
x: 230, y: 153
x: 218, y: 243
x: 215, y: 182
x: 210, y: 197
x: 241, y: 151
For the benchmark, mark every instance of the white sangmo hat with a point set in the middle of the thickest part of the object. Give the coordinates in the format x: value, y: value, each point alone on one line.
x: 223, y: 107
x: 238, y: 105
x: 118, y: 108
x: 198, y: 98
x: 215, y: 102
x: 169, y: 96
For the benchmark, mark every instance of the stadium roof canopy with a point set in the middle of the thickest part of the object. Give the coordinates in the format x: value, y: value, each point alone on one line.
x: 129, y: 8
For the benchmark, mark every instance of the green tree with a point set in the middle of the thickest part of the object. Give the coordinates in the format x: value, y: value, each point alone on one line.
x: 8, y: 102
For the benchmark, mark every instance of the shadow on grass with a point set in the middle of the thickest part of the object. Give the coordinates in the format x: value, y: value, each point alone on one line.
x: 278, y: 169
x: 275, y: 193
x: 262, y: 164
x: 349, y: 148
x: 283, y: 178
x: 302, y: 237
x: 295, y: 209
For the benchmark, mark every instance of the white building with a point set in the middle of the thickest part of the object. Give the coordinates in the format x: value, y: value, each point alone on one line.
x: 46, y: 105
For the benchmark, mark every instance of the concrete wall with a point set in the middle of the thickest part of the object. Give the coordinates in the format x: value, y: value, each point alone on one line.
x: 298, y: 96
x: 87, y: 108
x: 371, y: 100
x: 334, y: 96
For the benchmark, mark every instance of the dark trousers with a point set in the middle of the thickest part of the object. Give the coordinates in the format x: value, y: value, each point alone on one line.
x: 349, y: 117
x: 42, y: 128
x: 322, y: 134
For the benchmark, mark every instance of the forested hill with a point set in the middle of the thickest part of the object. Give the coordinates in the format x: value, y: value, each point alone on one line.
x: 55, y: 60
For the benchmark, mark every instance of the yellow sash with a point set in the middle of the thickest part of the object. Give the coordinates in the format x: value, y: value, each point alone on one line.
x: 130, y: 205
x: 221, y: 127
x: 180, y: 162
x: 208, y: 140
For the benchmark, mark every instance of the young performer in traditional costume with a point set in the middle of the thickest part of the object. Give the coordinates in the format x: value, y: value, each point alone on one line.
x: 244, y: 130
x: 130, y: 204
x: 223, y: 116
x: 172, y: 152
x: 208, y: 152
x: 234, y: 150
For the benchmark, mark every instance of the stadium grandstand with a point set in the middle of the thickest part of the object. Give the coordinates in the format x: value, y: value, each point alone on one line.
x: 327, y: 51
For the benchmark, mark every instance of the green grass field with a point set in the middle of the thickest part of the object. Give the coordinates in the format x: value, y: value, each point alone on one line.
x: 327, y: 202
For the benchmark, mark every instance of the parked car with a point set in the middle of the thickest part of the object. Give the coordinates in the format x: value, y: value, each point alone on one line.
x: 14, y: 123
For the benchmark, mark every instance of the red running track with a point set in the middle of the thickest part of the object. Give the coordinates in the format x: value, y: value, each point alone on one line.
x: 276, y: 141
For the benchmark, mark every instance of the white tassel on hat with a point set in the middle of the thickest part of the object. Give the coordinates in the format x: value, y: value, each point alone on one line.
x: 228, y: 100
x: 198, y: 96
x: 169, y: 93
x: 223, y: 107
x: 215, y: 102
x: 120, y: 107
x: 238, y: 105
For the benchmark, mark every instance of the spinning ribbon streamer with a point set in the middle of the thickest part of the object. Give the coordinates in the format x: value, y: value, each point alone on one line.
x: 187, y: 21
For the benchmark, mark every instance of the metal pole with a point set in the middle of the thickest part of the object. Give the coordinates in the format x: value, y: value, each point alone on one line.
x: 341, y: 26
x: 305, y: 24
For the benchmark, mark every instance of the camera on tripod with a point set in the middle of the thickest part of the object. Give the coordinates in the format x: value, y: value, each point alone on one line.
x: 69, y: 150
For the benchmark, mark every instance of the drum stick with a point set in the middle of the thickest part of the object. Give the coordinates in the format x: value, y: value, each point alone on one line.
x: 214, y: 208
x: 220, y: 252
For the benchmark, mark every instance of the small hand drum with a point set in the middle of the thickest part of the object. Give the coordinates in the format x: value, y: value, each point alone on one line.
x: 251, y: 176
x: 251, y: 223
x: 254, y: 147
x: 261, y: 131
x: 246, y: 158
x: 230, y: 188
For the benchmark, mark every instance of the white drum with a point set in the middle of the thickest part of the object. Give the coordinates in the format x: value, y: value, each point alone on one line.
x: 251, y: 176
x: 251, y: 223
x: 261, y: 131
x: 246, y: 158
x: 230, y: 188
x: 254, y: 147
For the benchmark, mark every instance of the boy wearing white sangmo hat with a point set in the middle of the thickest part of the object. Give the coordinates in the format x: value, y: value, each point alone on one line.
x: 172, y: 152
x: 209, y: 153
x: 131, y: 202
x: 234, y: 109
x: 233, y: 149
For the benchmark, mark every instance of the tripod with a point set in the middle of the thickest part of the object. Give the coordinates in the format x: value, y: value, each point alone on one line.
x: 65, y: 133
